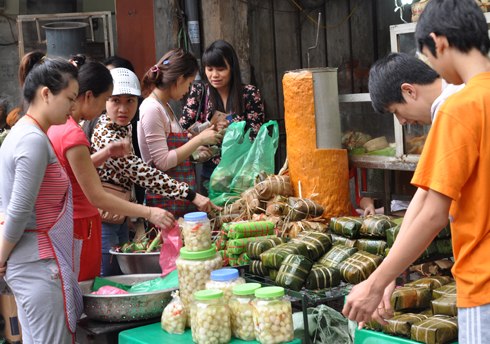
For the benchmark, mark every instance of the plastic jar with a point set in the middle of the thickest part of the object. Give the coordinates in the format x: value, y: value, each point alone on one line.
x: 194, y: 270
x: 197, y: 231
x: 241, y: 311
x: 225, y: 279
x: 273, y: 316
x: 210, y: 318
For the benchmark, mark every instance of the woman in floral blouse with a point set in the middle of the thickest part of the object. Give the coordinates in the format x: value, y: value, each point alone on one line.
x: 223, y: 91
x: 115, y: 125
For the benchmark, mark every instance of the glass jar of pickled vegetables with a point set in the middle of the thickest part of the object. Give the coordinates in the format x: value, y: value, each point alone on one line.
x: 273, y: 316
x: 196, y: 230
x: 210, y: 318
x: 241, y: 310
x: 224, y: 279
x: 194, y: 270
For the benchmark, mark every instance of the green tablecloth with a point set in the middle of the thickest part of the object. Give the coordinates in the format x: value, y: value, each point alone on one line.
x: 153, y: 333
x: 372, y: 337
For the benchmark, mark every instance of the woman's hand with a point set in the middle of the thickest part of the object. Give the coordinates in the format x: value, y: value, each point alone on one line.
x: 119, y: 148
x: 369, y: 210
x: 161, y: 217
x: 204, y: 204
x: 210, y: 136
x: 221, y: 125
x: 204, y: 154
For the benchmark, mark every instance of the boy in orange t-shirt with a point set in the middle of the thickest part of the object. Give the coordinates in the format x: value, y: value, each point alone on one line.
x: 453, y: 170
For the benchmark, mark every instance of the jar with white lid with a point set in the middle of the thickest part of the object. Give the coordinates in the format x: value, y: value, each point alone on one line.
x: 241, y: 311
x: 194, y: 270
x: 196, y: 230
x: 225, y: 279
x: 273, y: 316
x: 210, y: 318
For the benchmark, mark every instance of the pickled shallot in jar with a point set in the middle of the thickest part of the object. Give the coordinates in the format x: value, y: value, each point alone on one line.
x: 241, y: 311
x: 210, y: 318
x: 225, y: 279
x: 194, y: 270
x: 273, y: 316
x: 196, y: 230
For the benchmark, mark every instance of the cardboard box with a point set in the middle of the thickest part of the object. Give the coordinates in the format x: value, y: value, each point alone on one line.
x: 8, y: 310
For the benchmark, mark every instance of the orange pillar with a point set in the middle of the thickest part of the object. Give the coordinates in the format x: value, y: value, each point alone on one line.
x: 324, y: 173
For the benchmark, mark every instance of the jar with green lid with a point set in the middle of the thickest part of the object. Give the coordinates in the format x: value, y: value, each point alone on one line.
x: 241, y: 310
x: 196, y: 230
x: 225, y: 279
x: 194, y: 270
x: 273, y: 316
x: 210, y: 318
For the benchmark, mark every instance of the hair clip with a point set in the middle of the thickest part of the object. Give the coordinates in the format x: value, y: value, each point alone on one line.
x: 166, y: 62
x: 154, y: 69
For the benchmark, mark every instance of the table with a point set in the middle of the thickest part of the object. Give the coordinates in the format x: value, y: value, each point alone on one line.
x: 153, y: 333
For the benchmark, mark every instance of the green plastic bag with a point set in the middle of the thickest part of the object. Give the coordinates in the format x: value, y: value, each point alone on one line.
x: 242, y: 160
x: 161, y: 283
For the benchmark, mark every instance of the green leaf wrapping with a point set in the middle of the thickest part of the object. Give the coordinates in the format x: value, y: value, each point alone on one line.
x: 408, y: 298
x: 321, y: 277
x: 359, y: 266
x: 401, y: 325
x: 336, y: 255
x: 435, y: 330
x: 372, y: 246
x: 273, y: 258
x: 376, y: 226
x: 256, y: 248
x: 445, y: 305
x: 293, y: 271
x: 316, y: 243
x: 346, y: 226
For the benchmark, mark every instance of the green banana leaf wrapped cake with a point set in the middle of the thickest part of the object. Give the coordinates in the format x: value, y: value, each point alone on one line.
x: 444, y: 247
x: 257, y: 268
x: 322, y: 277
x: 336, y: 255
x: 256, y: 248
x: 445, y: 305
x: 293, y: 271
x: 432, y: 282
x: 446, y: 290
x: 372, y: 246
x: 347, y: 226
x: 238, y: 230
x: 376, y: 226
x: 359, y: 266
x: 391, y: 234
x: 316, y: 243
x: 340, y: 240
x: 410, y: 298
x: 274, y: 257
x: 401, y: 325
x: 439, y: 329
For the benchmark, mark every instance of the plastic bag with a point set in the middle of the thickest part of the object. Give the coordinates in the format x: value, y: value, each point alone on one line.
x: 172, y: 243
x: 109, y: 290
x: 161, y: 283
x: 242, y: 160
x: 174, y: 316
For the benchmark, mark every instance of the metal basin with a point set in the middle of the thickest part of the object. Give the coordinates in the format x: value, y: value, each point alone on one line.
x: 138, y: 263
x: 126, y: 307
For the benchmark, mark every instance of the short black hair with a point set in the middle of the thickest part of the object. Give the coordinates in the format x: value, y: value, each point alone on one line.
x: 390, y: 72
x: 461, y: 21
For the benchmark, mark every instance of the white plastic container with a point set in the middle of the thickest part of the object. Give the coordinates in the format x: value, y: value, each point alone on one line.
x: 225, y: 279
x: 273, y: 316
x: 241, y: 311
x: 210, y: 318
x: 194, y: 270
x: 196, y: 230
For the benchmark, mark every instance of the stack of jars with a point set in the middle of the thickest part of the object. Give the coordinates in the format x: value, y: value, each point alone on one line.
x: 198, y: 258
x: 252, y: 313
